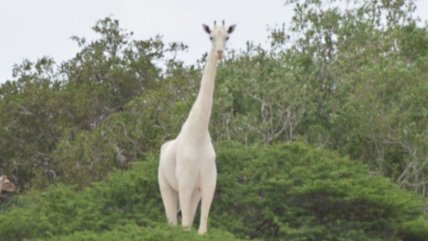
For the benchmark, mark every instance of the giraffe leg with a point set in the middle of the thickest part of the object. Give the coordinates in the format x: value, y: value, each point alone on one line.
x: 169, y: 199
x: 185, y: 198
x: 207, y: 198
x: 196, y: 197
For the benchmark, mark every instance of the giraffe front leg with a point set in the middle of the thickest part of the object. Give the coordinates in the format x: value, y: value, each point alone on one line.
x: 207, y: 198
x: 196, y: 197
x: 185, y: 199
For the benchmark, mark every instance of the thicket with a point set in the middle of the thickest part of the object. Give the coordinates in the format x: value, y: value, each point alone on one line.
x: 276, y: 192
x: 349, y: 80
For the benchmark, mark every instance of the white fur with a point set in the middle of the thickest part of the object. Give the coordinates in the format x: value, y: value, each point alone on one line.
x: 187, y: 170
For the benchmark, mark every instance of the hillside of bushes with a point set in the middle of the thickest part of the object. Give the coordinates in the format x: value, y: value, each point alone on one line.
x: 275, y: 192
x: 323, y: 135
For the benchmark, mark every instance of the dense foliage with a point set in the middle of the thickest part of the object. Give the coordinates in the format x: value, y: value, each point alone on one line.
x: 276, y: 192
x: 349, y: 80
x: 48, y: 104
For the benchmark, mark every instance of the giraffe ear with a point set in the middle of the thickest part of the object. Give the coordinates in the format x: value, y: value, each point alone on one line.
x: 206, y: 28
x: 231, y: 29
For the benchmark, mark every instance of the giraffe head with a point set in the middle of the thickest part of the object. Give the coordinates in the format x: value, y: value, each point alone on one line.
x: 6, y: 185
x: 219, y: 36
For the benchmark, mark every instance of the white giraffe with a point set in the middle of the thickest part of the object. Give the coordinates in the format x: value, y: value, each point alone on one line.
x: 187, y: 169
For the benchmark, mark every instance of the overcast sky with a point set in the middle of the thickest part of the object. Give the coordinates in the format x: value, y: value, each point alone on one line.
x: 32, y: 29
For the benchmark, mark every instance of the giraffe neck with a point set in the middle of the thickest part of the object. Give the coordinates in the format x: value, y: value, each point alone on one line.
x: 199, y: 117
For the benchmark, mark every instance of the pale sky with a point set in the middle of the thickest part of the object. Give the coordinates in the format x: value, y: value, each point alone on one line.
x: 32, y: 29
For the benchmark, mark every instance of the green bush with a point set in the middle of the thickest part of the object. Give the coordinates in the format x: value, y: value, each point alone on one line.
x: 122, y: 198
x: 279, y: 192
x: 414, y: 230
x: 132, y: 232
x: 293, y: 192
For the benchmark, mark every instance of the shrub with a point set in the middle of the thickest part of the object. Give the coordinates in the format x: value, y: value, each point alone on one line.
x: 132, y: 232
x: 124, y: 197
x: 278, y: 192
x: 294, y: 192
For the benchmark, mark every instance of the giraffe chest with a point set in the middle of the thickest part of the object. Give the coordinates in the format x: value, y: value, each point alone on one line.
x: 195, y: 154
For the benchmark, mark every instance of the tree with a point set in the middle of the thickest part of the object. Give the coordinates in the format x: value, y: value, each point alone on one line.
x: 258, y: 98
x: 364, y: 68
x: 48, y: 104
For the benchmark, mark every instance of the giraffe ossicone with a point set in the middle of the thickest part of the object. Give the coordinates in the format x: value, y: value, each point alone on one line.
x: 187, y: 171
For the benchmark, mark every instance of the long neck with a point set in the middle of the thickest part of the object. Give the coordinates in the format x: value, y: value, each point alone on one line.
x: 200, y: 114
